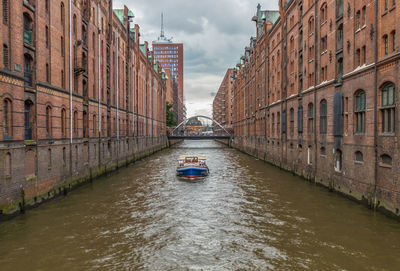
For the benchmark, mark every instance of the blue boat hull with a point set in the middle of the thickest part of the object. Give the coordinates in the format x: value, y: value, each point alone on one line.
x: 192, y: 172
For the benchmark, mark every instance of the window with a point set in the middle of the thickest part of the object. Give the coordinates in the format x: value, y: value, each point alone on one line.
x: 300, y: 119
x: 63, y: 123
x: 64, y: 156
x: 28, y: 119
x: 46, y: 5
x: 358, y: 57
x: 85, y: 124
x: 94, y: 125
x: 340, y: 69
x: 47, y: 36
x: 49, y: 159
x: 385, y: 5
x: 75, y: 123
x: 278, y: 123
x: 338, y: 160
x: 5, y: 11
x: 62, y: 79
x: 291, y: 121
x: 62, y: 14
x: 386, y: 159
x: 62, y: 46
x: 310, y: 124
x: 273, y: 124
x: 393, y: 41
x: 27, y: 33
x: 364, y: 55
x: 339, y: 8
x: 360, y: 111
x: 324, y: 13
x: 47, y: 73
x: 7, y: 166
x: 311, y: 26
x: 386, y: 44
x: 7, y: 118
x: 323, y: 151
x: 323, y: 117
x: 364, y: 16
x: 388, y: 108
x: 358, y: 20
x: 359, y: 157
x: 323, y: 44
x: 6, y: 57
x: 28, y: 70
x: 340, y: 37
x: 48, y: 121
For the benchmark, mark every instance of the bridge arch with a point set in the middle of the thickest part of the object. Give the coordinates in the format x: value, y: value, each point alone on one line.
x: 200, y: 116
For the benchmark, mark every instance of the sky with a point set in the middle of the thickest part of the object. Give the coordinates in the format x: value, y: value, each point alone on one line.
x: 214, y: 34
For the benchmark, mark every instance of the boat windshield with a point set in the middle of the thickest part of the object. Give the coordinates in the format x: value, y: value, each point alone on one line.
x: 191, y: 159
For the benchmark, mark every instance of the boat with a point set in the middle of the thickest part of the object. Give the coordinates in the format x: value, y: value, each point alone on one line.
x: 192, y: 166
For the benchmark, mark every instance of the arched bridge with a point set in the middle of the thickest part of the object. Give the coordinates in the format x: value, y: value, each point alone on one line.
x: 184, y: 131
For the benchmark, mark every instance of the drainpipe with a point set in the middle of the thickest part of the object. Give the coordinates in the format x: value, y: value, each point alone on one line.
x: 98, y: 66
x: 373, y: 196
x: 70, y: 79
x: 133, y: 94
x: 117, y: 81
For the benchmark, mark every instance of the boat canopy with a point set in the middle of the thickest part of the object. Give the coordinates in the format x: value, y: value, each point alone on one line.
x: 199, y: 157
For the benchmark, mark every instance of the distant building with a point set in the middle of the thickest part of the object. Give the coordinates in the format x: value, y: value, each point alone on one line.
x: 170, y: 56
x: 194, y: 127
x: 222, y: 104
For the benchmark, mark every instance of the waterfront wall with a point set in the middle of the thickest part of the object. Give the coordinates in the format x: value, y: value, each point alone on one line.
x: 68, y: 166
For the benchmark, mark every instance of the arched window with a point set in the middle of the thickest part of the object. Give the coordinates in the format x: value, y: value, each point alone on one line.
x: 7, y: 118
x: 338, y: 160
x: 47, y: 36
x: 278, y: 123
x: 63, y: 123
x: 74, y: 26
x: 76, y: 123
x: 48, y: 121
x: 323, y: 117
x: 324, y: 11
x: 359, y: 112
x: 310, y: 124
x: 386, y: 160
x: 388, y: 108
x: 62, y: 15
x: 311, y: 26
x: 6, y: 57
x: 273, y: 124
x: 359, y: 157
x: 27, y: 34
x: 340, y: 69
x: 28, y: 119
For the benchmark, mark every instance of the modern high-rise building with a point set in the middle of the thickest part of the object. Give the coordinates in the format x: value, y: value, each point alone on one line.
x: 170, y: 56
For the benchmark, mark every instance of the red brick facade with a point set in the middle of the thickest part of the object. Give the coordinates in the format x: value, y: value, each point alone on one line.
x: 222, y: 105
x: 316, y: 93
x: 61, y: 122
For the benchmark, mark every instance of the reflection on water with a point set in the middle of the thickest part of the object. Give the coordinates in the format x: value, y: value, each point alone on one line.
x: 246, y: 215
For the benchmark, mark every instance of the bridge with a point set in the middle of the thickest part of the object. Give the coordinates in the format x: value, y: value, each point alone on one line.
x: 180, y: 132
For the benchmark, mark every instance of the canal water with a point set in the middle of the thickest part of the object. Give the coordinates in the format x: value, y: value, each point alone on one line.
x: 246, y: 215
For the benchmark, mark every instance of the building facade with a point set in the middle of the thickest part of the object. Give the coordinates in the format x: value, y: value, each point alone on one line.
x: 222, y: 103
x: 81, y: 95
x: 316, y: 93
x: 170, y: 56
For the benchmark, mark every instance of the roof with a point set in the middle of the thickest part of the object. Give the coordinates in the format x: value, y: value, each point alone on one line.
x: 120, y: 13
x: 133, y: 34
x: 270, y: 15
x: 143, y: 48
x: 200, y: 157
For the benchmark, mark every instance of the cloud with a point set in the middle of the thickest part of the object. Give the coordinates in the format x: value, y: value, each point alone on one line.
x: 214, y: 34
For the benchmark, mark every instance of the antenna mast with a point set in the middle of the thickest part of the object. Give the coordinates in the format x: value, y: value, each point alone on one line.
x: 162, y: 26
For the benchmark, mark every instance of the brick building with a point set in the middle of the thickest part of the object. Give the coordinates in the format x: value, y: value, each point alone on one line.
x: 316, y: 93
x: 222, y: 105
x: 170, y: 56
x: 80, y: 95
